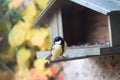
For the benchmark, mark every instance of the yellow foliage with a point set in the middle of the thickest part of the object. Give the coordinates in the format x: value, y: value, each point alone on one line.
x: 15, y: 3
x: 46, y: 39
x: 23, y: 54
x: 25, y: 31
x: 30, y: 12
x: 16, y: 36
x: 42, y: 3
x: 25, y: 25
x: 38, y: 37
x: 39, y: 64
x: 30, y: 34
x: 46, y: 44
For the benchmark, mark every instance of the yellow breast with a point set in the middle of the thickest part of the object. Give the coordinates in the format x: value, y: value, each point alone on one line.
x: 57, y: 50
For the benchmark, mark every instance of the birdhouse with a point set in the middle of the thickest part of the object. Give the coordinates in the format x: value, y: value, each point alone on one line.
x: 90, y: 27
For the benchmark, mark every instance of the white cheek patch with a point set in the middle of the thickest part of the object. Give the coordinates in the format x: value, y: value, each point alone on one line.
x: 58, y: 42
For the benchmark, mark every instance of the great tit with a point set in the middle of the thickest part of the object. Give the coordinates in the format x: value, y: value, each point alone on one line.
x: 58, y: 48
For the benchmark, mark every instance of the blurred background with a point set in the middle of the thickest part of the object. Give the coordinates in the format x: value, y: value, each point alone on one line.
x: 20, y: 39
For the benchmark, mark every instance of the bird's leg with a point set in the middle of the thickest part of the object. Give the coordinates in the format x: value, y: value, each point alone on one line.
x: 63, y: 57
x: 58, y: 58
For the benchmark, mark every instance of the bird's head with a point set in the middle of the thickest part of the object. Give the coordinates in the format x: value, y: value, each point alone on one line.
x: 58, y: 40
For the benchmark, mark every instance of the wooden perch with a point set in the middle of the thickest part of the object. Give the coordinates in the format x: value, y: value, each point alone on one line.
x: 76, y: 53
x: 76, y: 58
x: 72, y: 52
x: 68, y: 59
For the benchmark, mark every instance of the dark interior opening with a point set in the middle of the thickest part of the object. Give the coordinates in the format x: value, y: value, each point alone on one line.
x: 83, y: 26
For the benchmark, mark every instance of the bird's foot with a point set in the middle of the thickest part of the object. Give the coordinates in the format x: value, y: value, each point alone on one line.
x: 48, y: 61
x: 63, y: 57
x: 58, y: 58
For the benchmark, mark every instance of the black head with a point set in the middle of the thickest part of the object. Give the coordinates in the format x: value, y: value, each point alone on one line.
x: 58, y: 38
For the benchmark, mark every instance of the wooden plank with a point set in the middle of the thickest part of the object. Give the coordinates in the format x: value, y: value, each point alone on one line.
x: 109, y: 29
x: 115, y: 29
x: 72, y: 52
x: 83, y: 52
x: 69, y: 59
x: 60, y: 26
x: 45, y: 14
x: 53, y: 26
x: 42, y: 54
x: 110, y: 50
x: 76, y: 58
x: 56, y: 25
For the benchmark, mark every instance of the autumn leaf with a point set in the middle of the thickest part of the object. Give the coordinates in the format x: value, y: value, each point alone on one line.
x: 39, y: 37
x: 29, y: 12
x: 30, y: 35
x: 24, y: 55
x: 15, y: 3
x: 25, y: 25
x: 16, y: 36
x: 39, y: 64
x: 46, y: 44
x: 42, y: 3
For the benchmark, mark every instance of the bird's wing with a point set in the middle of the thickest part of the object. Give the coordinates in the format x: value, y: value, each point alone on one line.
x: 65, y: 46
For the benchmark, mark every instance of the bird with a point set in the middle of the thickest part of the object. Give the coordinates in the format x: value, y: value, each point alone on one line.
x: 59, y: 47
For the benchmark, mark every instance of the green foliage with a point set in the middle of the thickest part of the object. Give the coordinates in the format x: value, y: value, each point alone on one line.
x: 5, y: 3
x: 8, y: 16
x: 4, y: 6
x: 15, y: 14
x: 11, y: 14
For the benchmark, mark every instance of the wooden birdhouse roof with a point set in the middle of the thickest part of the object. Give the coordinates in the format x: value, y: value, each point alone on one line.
x: 105, y: 7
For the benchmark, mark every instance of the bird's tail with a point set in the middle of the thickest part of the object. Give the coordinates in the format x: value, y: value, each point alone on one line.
x: 48, y: 58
